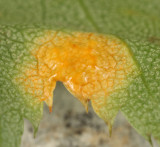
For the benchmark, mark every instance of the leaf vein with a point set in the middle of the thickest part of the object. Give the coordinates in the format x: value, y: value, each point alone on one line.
x: 88, y: 15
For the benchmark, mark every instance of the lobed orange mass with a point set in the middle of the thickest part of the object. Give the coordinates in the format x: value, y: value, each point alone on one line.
x: 91, y: 66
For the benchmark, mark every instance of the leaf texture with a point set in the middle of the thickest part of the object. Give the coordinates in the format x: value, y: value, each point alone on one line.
x: 136, y: 23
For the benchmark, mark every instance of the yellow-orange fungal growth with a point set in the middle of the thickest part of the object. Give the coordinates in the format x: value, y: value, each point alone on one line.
x: 90, y: 66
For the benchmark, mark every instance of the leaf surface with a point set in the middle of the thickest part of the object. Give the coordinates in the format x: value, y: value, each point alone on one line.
x: 136, y: 23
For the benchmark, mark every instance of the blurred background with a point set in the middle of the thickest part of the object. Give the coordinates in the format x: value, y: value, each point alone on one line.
x: 70, y: 126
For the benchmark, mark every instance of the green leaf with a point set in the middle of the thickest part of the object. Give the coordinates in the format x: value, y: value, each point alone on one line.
x: 136, y: 23
x: 15, y: 105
